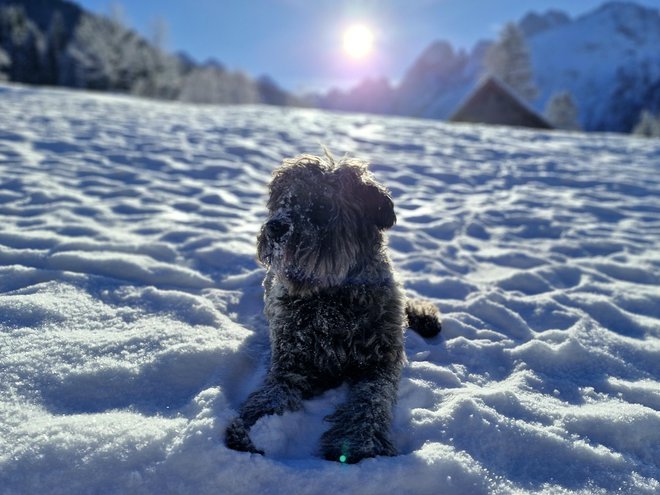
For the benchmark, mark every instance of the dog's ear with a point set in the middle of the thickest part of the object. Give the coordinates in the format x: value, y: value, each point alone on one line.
x: 379, y: 206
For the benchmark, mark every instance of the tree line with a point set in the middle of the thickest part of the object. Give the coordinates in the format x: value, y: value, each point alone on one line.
x: 79, y: 50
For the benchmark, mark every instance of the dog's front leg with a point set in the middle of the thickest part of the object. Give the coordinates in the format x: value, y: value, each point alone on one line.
x: 276, y: 396
x: 361, y: 426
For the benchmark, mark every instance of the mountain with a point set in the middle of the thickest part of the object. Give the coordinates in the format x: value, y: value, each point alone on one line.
x: 534, y: 23
x: 438, y: 80
x: 607, y: 59
x: 370, y: 95
x: 57, y: 43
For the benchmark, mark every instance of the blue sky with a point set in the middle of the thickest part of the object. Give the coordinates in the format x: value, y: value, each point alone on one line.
x: 298, y: 42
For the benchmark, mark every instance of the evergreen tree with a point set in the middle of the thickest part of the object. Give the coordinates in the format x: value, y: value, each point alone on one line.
x: 648, y: 125
x: 56, y: 40
x: 562, y: 113
x: 509, y: 60
x: 93, y: 55
x: 163, y: 73
x: 270, y: 93
x: 57, y: 43
x: 212, y: 84
x: 5, y: 62
x: 203, y: 85
x: 242, y: 89
x: 24, y: 43
x: 104, y: 55
x: 159, y: 33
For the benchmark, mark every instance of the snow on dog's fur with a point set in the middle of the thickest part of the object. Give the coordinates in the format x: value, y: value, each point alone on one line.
x: 335, y: 308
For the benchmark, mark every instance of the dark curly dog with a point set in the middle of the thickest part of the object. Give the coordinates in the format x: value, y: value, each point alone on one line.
x: 335, y: 308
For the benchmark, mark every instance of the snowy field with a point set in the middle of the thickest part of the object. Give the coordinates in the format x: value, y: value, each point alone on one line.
x: 130, y: 302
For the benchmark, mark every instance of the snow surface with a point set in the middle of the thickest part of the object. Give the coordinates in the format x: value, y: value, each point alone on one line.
x: 131, y: 325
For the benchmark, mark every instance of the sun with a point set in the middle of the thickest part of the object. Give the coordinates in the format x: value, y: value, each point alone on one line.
x: 358, y: 41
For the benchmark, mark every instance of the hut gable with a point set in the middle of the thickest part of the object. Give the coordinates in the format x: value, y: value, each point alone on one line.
x: 493, y: 102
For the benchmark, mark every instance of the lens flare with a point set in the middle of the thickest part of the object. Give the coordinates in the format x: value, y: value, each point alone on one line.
x: 358, y: 41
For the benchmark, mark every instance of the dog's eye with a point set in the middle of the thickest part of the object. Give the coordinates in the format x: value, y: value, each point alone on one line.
x: 320, y: 214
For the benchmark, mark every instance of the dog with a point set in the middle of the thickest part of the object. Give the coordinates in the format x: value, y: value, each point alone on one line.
x: 335, y: 308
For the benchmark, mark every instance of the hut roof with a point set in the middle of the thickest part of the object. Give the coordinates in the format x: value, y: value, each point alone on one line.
x: 494, y: 102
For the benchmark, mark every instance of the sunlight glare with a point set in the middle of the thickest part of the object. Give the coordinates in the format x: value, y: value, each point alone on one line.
x: 358, y: 41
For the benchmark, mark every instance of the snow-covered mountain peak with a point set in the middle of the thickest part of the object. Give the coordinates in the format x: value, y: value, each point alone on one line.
x: 606, y: 59
x: 623, y: 22
x: 620, y: 8
x: 534, y: 23
x: 439, y: 55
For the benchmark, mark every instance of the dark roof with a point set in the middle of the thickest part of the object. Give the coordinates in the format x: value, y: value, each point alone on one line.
x: 493, y: 102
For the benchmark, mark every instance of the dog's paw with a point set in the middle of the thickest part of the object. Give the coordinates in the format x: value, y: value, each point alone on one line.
x: 237, y: 438
x: 350, y: 450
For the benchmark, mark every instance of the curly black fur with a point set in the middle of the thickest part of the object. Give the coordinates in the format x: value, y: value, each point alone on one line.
x: 335, y: 308
x: 423, y: 317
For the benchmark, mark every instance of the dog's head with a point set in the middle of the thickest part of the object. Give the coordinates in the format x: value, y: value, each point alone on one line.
x: 325, y: 221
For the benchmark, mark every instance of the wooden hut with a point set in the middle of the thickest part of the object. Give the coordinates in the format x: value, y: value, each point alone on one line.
x: 493, y: 102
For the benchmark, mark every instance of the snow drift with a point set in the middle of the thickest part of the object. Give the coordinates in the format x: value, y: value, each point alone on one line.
x: 131, y: 324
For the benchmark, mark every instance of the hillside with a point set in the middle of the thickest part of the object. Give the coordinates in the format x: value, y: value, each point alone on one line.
x: 131, y: 302
x: 608, y: 60
x: 57, y: 43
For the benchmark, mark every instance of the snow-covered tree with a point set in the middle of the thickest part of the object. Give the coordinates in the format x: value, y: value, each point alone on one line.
x: 162, y: 77
x: 270, y: 93
x: 212, y: 84
x: 56, y: 40
x: 243, y: 89
x: 23, y: 42
x: 5, y: 61
x: 562, y: 112
x: 58, y: 43
x: 203, y: 85
x: 105, y: 55
x: 509, y: 60
x: 160, y: 32
x: 648, y: 125
x: 94, y: 55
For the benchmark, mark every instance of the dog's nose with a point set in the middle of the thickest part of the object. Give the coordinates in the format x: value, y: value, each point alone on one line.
x: 276, y: 228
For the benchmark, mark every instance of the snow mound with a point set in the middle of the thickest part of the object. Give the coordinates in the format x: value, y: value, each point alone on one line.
x: 131, y: 324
